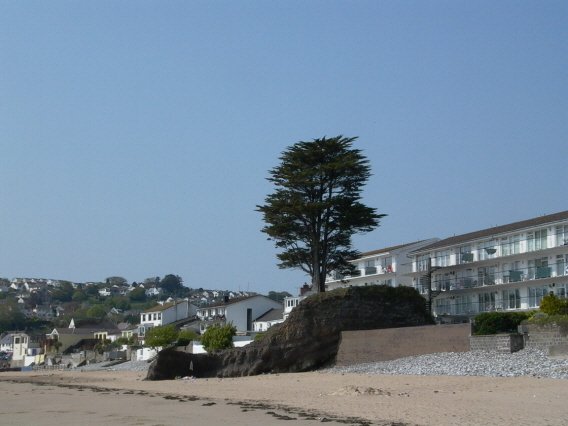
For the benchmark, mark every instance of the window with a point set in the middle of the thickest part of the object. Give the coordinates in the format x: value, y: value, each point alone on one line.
x: 143, y: 317
x: 537, y: 240
x: 511, y: 245
x: 561, y: 265
x: 562, y: 235
x: 536, y: 294
x: 486, y: 301
x: 386, y: 264
x: 487, y: 250
x: 443, y: 306
x: 422, y: 263
x: 511, y: 299
x: 538, y: 268
x: 466, y: 255
x: 441, y: 258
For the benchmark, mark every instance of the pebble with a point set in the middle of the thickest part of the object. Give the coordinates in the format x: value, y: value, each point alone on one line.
x: 528, y: 362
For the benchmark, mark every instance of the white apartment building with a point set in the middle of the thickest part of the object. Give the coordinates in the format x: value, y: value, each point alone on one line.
x: 387, y: 266
x: 509, y: 267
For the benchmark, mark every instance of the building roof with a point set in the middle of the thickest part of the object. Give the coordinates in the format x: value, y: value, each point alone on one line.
x: 232, y: 301
x: 497, y: 230
x: 387, y: 249
x: 6, y: 340
x: 271, y: 315
x: 65, y: 330
x: 160, y: 308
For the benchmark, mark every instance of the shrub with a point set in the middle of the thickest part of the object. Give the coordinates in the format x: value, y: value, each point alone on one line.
x: 161, y: 336
x: 218, y: 337
x: 185, y: 337
x: 498, y: 322
x: 553, y: 305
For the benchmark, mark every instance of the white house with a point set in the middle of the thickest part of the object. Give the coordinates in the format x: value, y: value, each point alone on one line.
x: 153, y: 291
x: 16, y: 344
x: 388, y: 266
x: 270, y: 318
x: 164, y: 314
x: 509, y: 267
x: 240, y: 312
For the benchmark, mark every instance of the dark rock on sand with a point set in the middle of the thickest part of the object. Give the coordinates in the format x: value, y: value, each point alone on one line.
x: 308, y: 339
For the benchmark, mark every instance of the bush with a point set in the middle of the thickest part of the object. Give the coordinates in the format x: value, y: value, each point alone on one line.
x: 164, y: 335
x: 553, y: 305
x: 185, y: 337
x: 218, y: 337
x: 498, y: 322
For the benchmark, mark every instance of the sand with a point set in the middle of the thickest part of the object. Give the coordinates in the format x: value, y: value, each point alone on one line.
x: 106, y: 397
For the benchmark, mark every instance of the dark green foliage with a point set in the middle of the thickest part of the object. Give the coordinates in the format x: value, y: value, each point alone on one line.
x: 316, y: 206
x: 63, y: 293
x: 96, y: 312
x: 218, y: 337
x: 498, y: 322
x: 185, y: 337
x: 172, y: 285
x: 137, y: 295
x: 278, y: 296
x: 119, y: 281
x: 161, y: 336
x: 553, y: 305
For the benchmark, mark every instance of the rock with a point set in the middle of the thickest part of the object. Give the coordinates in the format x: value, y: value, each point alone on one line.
x: 308, y: 339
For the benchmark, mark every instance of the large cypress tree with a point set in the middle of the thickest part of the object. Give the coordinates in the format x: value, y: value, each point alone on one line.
x: 316, y: 206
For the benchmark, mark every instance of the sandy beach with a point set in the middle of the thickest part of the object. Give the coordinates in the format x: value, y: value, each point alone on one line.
x: 109, y: 397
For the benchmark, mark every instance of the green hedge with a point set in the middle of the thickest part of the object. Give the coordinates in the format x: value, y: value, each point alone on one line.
x: 498, y: 322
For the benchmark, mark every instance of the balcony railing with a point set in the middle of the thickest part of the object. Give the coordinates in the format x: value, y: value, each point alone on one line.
x: 491, y: 279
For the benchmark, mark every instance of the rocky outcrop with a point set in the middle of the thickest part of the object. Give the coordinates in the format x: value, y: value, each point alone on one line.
x: 308, y: 339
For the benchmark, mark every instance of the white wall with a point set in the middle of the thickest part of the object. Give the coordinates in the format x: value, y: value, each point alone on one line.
x: 236, y: 313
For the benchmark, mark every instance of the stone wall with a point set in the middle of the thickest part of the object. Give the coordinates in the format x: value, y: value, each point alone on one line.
x: 386, y: 344
x: 506, y: 343
x: 543, y: 337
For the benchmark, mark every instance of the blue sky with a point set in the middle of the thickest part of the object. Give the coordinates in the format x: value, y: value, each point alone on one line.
x: 136, y: 136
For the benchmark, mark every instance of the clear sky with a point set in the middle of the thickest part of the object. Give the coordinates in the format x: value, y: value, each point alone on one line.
x: 136, y: 136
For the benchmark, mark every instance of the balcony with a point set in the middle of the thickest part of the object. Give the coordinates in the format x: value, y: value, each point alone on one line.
x: 490, y: 279
x: 370, y: 270
x: 543, y: 272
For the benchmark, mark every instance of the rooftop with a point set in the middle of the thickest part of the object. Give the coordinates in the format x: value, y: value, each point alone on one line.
x: 496, y: 231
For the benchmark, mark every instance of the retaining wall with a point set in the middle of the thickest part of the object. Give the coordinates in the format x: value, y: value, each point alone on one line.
x: 382, y: 345
x: 505, y: 343
x: 543, y: 337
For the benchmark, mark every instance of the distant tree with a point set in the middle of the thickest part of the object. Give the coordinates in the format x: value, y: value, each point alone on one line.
x: 132, y: 318
x: 79, y: 295
x: 137, y: 295
x: 92, y: 291
x: 11, y: 317
x: 96, y: 312
x: 161, y: 336
x: 64, y: 292
x: 278, y: 296
x: 119, y: 281
x: 316, y: 207
x: 218, y: 337
x: 152, y: 281
x: 172, y: 285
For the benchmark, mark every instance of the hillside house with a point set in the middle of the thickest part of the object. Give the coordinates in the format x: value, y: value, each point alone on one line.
x: 240, y: 312
x: 270, y: 318
x: 164, y: 314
